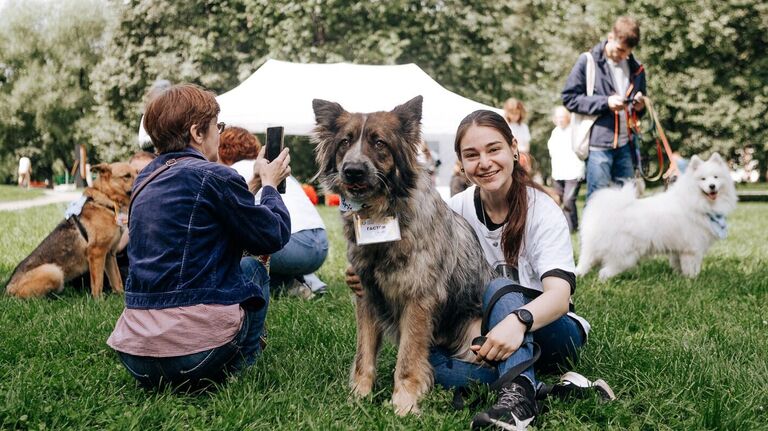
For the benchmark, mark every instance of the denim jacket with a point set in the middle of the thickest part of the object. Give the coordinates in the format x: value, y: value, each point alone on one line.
x: 576, y: 100
x: 188, y: 230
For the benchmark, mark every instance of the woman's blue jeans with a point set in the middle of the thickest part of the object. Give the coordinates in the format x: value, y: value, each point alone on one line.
x: 559, y: 342
x: 304, y: 254
x: 199, y: 370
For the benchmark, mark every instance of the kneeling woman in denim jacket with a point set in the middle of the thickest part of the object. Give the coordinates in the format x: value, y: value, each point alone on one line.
x: 194, y: 312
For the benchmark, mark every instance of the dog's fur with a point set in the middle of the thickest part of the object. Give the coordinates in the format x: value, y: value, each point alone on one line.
x: 423, y: 290
x: 65, y: 254
x: 618, y: 229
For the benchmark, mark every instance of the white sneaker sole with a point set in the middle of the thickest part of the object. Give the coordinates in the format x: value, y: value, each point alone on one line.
x: 575, y: 379
x: 518, y: 426
x: 600, y: 385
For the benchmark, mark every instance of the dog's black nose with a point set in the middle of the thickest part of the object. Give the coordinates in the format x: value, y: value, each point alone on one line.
x: 353, y: 172
x: 712, y: 187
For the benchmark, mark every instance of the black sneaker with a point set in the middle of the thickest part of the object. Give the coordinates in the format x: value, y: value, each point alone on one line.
x: 514, y: 410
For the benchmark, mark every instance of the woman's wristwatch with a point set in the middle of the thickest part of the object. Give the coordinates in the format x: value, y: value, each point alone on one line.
x: 525, y: 317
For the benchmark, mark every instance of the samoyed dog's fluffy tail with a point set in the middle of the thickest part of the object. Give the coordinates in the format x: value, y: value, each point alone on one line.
x: 618, y: 229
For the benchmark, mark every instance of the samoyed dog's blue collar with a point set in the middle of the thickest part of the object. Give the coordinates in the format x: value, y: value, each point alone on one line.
x: 718, y: 224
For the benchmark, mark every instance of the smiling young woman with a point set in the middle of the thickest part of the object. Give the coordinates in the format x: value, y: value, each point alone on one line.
x: 524, y: 235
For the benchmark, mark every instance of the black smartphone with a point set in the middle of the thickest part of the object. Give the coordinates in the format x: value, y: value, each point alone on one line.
x: 274, y: 147
x: 629, y: 101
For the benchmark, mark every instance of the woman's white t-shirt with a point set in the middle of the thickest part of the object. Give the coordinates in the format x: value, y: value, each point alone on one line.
x: 546, y: 242
x: 303, y: 213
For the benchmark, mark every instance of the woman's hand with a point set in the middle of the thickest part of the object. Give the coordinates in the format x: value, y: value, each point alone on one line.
x: 254, y: 185
x: 272, y: 173
x: 502, y: 341
x: 353, y: 281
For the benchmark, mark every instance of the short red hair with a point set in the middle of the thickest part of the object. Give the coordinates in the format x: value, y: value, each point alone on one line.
x: 171, y: 114
x: 235, y: 144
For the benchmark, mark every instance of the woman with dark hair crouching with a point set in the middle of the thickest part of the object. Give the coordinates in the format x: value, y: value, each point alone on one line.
x: 194, y: 312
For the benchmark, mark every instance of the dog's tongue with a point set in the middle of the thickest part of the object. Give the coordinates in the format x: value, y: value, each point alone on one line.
x: 712, y: 195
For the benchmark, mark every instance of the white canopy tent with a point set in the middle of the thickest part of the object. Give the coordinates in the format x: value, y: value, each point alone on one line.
x: 280, y: 93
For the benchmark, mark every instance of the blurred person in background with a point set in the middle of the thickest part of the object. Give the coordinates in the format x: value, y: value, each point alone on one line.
x: 292, y: 269
x: 567, y: 168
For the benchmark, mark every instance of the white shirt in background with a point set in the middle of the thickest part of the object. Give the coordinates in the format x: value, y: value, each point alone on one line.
x: 620, y: 73
x: 303, y: 213
x: 25, y: 165
x: 565, y: 163
x: 523, y: 135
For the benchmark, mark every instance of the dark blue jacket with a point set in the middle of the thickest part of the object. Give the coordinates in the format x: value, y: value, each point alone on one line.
x: 576, y: 100
x: 188, y: 230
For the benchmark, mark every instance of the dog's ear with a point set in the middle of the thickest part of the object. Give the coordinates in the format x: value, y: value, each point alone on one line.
x: 409, y: 114
x: 695, y: 162
x: 715, y: 157
x: 326, y: 114
x: 103, y: 169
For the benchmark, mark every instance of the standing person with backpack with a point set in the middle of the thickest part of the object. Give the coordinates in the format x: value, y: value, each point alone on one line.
x: 615, y: 101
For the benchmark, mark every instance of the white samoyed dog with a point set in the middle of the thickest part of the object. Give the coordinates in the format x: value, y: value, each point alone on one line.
x: 618, y: 229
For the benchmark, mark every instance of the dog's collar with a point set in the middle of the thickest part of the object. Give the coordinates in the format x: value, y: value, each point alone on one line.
x: 101, y: 199
x: 349, y: 205
x: 718, y: 225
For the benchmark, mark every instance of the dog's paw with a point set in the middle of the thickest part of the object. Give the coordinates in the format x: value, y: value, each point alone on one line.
x: 605, y: 274
x: 361, y: 387
x: 405, y: 403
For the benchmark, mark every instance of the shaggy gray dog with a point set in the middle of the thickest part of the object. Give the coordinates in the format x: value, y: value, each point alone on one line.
x: 422, y: 290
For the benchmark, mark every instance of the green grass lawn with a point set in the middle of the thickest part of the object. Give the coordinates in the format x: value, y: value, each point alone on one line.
x: 15, y: 193
x: 680, y: 354
x: 752, y: 186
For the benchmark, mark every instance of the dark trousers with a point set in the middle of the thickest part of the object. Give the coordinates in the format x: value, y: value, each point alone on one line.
x: 568, y: 191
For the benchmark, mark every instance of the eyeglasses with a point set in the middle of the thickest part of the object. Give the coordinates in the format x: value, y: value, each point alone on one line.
x: 221, y: 126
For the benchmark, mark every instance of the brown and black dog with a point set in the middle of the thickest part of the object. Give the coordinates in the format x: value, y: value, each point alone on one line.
x: 80, y: 243
x: 422, y: 290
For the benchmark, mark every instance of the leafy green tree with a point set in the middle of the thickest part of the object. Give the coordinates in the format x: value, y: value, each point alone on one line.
x: 47, y: 51
x: 705, y: 68
x: 708, y: 72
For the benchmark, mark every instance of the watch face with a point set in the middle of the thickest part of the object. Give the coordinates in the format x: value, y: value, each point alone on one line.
x: 525, y: 316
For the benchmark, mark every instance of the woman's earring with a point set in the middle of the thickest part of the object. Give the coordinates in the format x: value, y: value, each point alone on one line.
x: 517, y: 156
x: 462, y: 170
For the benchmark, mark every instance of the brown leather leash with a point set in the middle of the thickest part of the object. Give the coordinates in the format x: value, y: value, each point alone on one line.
x: 167, y: 165
x: 660, y: 137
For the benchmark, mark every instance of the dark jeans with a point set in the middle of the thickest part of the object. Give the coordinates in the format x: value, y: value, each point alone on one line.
x: 199, y: 370
x: 559, y: 342
x: 568, y: 191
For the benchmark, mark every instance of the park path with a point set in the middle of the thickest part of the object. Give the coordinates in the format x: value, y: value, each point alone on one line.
x: 51, y: 197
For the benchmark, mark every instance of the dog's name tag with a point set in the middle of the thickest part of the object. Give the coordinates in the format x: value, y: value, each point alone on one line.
x: 369, y: 231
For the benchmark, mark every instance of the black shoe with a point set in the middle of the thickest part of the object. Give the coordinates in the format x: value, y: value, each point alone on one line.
x: 514, y: 410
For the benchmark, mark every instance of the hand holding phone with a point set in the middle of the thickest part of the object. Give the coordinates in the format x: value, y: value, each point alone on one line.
x: 274, y: 147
